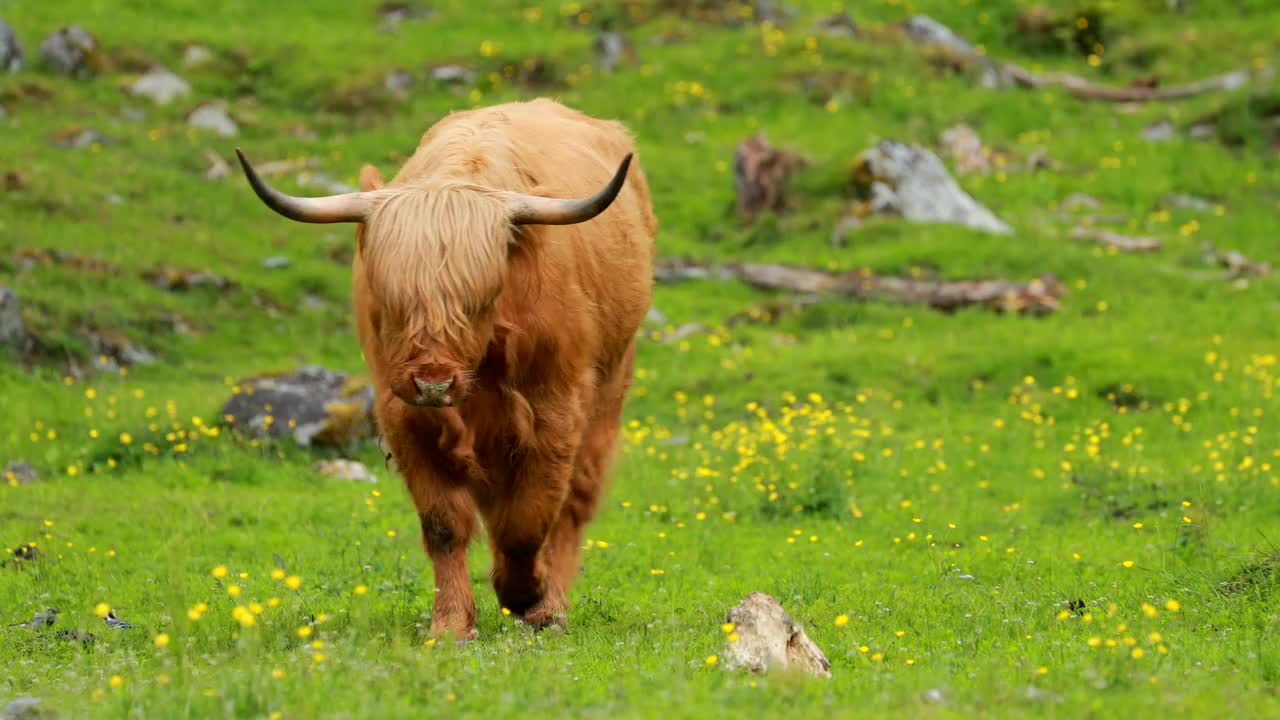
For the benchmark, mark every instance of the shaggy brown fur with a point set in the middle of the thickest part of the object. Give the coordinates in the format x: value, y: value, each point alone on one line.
x: 535, y: 324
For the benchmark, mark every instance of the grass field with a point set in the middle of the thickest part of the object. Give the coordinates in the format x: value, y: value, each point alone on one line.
x: 982, y: 514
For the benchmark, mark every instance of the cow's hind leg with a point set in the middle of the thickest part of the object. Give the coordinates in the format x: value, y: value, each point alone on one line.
x: 587, y: 485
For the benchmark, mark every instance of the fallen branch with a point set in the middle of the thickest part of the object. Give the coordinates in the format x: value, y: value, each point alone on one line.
x: 1123, y: 243
x: 1039, y: 296
x: 1082, y: 88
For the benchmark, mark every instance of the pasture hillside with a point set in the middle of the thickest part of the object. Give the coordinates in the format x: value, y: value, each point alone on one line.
x: 1066, y: 505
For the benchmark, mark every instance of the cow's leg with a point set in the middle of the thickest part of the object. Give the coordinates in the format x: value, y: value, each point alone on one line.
x: 448, y: 522
x: 587, y: 484
x: 448, y: 518
x: 520, y: 523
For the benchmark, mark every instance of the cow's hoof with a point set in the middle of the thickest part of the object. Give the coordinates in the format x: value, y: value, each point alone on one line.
x: 545, y: 615
x: 444, y: 633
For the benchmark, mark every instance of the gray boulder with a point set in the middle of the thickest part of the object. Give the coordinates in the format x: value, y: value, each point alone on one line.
x: 11, y: 54
x: 912, y: 181
x: 160, y: 86
x: 19, y: 472
x: 769, y: 639
x: 26, y: 708
x: 69, y: 50
x: 312, y: 405
x: 213, y: 116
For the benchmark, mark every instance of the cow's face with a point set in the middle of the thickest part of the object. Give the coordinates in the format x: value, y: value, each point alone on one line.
x: 430, y: 371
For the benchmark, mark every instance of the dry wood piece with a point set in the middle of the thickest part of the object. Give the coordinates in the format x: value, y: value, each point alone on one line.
x: 1037, y: 297
x: 1123, y: 243
x: 760, y: 174
x: 1145, y: 92
x: 1237, y: 265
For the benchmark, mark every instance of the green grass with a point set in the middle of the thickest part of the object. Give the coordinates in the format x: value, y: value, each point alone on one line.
x: 948, y: 484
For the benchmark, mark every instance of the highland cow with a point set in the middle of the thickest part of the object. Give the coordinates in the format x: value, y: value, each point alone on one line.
x: 500, y: 281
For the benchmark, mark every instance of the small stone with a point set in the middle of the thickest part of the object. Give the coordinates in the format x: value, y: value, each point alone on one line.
x: 684, y: 332
x: 399, y: 82
x: 927, y: 31
x: 159, y: 85
x: 213, y: 116
x: 196, y: 55
x: 1160, y: 131
x: 133, y: 114
x: 452, y: 74
x: 655, y: 317
x: 613, y: 49
x: 345, y: 470
x: 838, y: 25
x: 20, y: 472
x: 769, y: 639
x: 275, y: 262
x: 1080, y: 201
x: 934, y: 696
x: 218, y: 167
x: 843, y: 229
x: 26, y: 708
x: 80, y: 138
x: 965, y: 148
x: 1187, y: 202
x: 11, y: 54
x: 69, y: 50
x: 13, y: 331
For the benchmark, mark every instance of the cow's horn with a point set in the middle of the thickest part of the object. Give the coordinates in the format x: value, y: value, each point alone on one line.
x: 348, y: 207
x: 534, y: 210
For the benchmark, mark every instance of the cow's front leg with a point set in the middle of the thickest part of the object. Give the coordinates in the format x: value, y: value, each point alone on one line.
x: 448, y: 518
x: 448, y: 522
x: 519, y: 528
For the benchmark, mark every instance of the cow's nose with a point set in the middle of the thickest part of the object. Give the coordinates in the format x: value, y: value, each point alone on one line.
x: 433, y: 392
x: 437, y: 388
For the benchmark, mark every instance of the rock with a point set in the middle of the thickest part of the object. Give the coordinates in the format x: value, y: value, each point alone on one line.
x: 167, y: 277
x: 843, y: 229
x: 11, y: 54
x: 392, y: 14
x: 1187, y: 202
x: 838, y: 25
x: 218, y: 167
x: 773, y: 12
x: 312, y: 405
x: 275, y: 262
x: 760, y: 173
x: 934, y: 696
x: 196, y: 55
x: 1080, y: 201
x: 213, y: 116
x: 1159, y: 131
x: 13, y: 331
x: 769, y: 639
x: 927, y: 31
x: 325, y: 183
x: 112, y: 350
x: 345, y: 470
x: 965, y: 148
x: 912, y: 181
x: 655, y: 317
x: 159, y: 85
x: 452, y: 74
x: 613, y: 49
x: 684, y: 332
x: 20, y: 473
x: 399, y: 82
x: 79, y: 138
x: 26, y: 708
x: 69, y: 51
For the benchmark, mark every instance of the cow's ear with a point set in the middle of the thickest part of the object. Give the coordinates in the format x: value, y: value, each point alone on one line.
x: 370, y: 178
